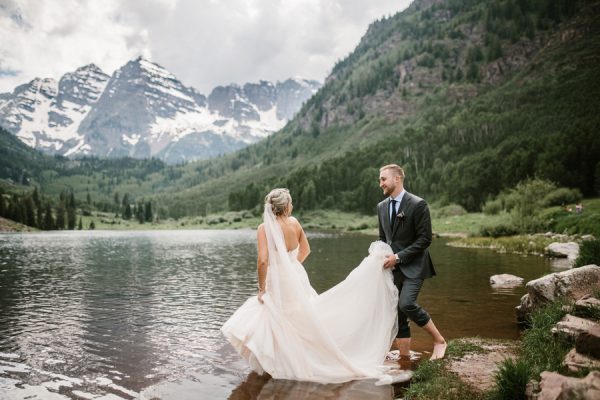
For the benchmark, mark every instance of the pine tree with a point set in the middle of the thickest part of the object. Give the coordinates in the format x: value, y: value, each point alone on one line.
x: 139, y: 212
x: 36, y: 198
x: 473, y: 72
x: 71, y: 218
x: 72, y: 203
x: 40, y: 216
x: 148, y: 212
x: 80, y: 225
x: 15, y: 210
x: 88, y: 198
x: 92, y: 225
x: 117, y: 201
x: 127, y: 213
x: 30, y: 219
x: 48, y: 219
x: 60, y: 217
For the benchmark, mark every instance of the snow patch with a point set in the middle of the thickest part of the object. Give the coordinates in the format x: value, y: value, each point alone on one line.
x: 132, y: 140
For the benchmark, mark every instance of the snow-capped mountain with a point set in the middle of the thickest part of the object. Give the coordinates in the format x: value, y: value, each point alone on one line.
x: 142, y: 110
x: 46, y: 114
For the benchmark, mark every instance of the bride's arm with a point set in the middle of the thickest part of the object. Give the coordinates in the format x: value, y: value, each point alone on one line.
x: 304, y: 249
x: 262, y: 261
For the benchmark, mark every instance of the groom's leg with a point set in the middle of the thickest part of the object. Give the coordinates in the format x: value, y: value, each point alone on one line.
x: 403, y: 335
x: 407, y: 302
x: 408, y: 305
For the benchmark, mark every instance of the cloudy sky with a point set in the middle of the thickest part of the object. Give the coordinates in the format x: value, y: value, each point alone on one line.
x: 204, y: 43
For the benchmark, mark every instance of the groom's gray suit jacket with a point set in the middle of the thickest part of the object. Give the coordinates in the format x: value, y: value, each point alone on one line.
x: 410, y: 237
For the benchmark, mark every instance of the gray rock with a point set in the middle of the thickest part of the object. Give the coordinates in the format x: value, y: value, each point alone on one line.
x: 505, y: 280
x: 569, y: 285
x: 573, y: 326
x: 555, y: 386
x: 587, y: 305
x: 576, y: 361
x: 568, y: 250
x: 588, y: 342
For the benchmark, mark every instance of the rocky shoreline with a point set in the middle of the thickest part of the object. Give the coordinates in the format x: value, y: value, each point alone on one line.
x: 578, y: 377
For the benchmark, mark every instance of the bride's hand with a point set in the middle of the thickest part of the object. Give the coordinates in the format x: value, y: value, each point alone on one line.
x: 260, y: 295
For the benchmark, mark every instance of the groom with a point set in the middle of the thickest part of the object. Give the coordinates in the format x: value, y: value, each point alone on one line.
x: 405, y: 225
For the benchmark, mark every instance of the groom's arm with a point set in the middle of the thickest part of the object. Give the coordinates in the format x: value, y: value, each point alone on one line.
x: 424, y: 235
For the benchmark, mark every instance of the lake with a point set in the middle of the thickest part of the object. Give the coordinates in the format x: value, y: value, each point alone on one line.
x: 107, y: 314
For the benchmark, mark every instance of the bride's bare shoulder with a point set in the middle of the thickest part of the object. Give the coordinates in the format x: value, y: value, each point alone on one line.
x: 295, y: 222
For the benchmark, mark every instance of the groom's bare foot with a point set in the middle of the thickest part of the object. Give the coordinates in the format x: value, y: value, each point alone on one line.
x: 439, y: 351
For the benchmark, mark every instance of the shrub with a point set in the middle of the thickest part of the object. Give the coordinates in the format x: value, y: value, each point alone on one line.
x: 499, y: 230
x: 562, y: 196
x: 492, y: 207
x: 589, y: 253
x: 511, y: 379
x: 529, y: 195
x: 450, y: 210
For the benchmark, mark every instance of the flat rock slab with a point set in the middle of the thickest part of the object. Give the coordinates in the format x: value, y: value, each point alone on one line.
x: 587, y: 303
x: 573, y: 326
x: 576, y: 361
x: 478, y: 369
x: 555, y: 386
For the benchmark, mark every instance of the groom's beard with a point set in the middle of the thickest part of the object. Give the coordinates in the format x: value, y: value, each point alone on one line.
x: 387, y: 191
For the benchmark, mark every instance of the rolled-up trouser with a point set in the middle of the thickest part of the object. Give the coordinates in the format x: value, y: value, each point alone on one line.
x: 408, y: 308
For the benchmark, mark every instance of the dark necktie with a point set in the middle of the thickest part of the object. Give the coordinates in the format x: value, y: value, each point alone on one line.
x: 394, y: 213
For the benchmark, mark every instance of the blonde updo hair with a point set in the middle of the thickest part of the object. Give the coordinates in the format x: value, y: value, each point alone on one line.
x: 280, y: 200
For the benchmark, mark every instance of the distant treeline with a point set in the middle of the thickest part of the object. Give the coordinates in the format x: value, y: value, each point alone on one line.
x: 29, y: 209
x: 33, y: 210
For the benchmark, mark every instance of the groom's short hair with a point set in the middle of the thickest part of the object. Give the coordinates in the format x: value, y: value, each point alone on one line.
x: 395, y: 168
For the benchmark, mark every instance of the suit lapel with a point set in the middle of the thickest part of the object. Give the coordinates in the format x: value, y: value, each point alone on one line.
x: 403, y: 203
x: 385, y: 209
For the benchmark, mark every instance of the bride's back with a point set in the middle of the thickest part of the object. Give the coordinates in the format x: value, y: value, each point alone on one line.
x: 291, y: 232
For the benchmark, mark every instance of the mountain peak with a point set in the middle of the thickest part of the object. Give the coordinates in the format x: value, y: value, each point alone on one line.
x: 143, y: 110
x: 91, y: 67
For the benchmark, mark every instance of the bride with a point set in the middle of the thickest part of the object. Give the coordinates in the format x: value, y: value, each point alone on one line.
x: 291, y: 332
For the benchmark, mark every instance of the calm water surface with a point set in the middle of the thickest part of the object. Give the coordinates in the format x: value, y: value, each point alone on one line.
x: 137, y: 314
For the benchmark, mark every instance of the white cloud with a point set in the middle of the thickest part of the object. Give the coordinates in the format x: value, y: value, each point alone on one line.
x: 203, y: 42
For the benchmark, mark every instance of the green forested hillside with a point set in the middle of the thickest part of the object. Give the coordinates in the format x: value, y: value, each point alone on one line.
x: 470, y: 96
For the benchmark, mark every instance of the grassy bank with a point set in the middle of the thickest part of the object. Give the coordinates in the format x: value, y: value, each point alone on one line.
x: 311, y: 220
x: 444, y: 380
x: 446, y: 221
x: 6, y: 225
x: 538, y: 350
x: 520, y: 244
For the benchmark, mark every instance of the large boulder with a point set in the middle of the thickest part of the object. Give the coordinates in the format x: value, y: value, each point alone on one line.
x: 558, y: 387
x: 568, y: 285
x: 568, y: 250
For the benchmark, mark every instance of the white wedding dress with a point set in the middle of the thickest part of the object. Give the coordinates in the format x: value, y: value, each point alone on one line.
x: 340, y: 335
